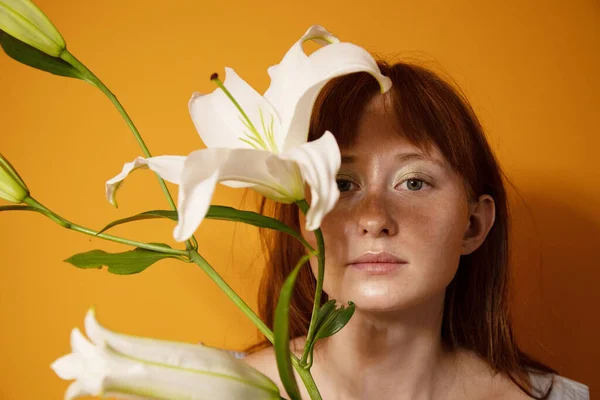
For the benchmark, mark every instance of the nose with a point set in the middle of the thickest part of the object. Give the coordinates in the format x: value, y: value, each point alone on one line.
x: 375, y: 218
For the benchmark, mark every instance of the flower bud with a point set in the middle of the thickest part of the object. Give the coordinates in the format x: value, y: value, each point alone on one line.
x: 12, y: 187
x: 22, y: 20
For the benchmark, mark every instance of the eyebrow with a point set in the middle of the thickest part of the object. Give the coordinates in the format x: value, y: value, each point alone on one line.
x: 401, y: 157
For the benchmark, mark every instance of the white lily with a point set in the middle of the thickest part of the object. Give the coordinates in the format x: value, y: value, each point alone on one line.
x: 261, y: 141
x: 139, y: 368
x: 24, y: 21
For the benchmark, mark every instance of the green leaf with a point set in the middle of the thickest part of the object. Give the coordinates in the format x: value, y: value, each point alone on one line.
x: 28, y: 55
x: 329, y: 321
x: 221, y: 213
x: 129, y: 262
x: 324, y: 311
x: 145, y: 215
x: 333, y: 319
x: 281, y: 333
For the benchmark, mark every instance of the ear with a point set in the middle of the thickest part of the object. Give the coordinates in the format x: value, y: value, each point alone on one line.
x: 482, y: 214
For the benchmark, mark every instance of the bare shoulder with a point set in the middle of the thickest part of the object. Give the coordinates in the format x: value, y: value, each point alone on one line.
x: 480, y: 381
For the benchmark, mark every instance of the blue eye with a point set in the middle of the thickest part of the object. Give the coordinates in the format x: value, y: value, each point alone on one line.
x: 344, y: 185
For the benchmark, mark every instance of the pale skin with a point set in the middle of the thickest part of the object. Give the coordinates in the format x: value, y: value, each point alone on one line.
x: 418, y: 210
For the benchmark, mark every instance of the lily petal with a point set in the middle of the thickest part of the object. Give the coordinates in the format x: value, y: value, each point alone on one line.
x: 221, y: 124
x: 67, y: 366
x: 297, y: 79
x: 122, y: 396
x: 85, y: 364
x: 175, y: 354
x: 167, y: 167
x: 76, y: 390
x: 294, y: 62
x: 143, y: 366
x: 149, y: 380
x: 193, y: 204
x: 263, y: 171
x: 106, y: 371
x: 319, y: 162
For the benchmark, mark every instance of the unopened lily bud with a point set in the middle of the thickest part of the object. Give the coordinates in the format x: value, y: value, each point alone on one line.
x: 12, y: 187
x: 22, y: 20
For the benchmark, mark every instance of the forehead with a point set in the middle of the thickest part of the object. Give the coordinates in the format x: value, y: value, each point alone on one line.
x: 378, y: 132
x: 402, y: 157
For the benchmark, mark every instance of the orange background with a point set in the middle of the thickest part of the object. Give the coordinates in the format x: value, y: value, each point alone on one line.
x: 530, y: 69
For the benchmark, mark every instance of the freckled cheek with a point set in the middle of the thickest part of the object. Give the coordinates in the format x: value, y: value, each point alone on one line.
x: 424, y: 221
x: 433, y: 241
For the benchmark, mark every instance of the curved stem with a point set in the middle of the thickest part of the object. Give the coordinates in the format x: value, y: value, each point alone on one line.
x: 304, y: 373
x: 78, y: 228
x: 214, y: 275
x: 93, y: 79
x: 318, y: 290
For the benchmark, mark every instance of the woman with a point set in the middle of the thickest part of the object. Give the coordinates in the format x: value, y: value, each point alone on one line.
x: 419, y: 242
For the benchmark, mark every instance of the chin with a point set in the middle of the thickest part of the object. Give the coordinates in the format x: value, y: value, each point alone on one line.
x: 383, y: 294
x: 375, y: 294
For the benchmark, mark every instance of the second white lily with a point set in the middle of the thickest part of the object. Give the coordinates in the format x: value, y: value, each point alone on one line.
x: 114, y: 364
x: 261, y: 141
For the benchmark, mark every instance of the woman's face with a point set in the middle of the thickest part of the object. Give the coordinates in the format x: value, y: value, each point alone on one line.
x: 393, y: 200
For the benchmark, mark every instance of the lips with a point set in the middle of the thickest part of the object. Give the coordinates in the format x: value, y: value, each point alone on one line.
x: 378, y: 258
x: 377, y: 263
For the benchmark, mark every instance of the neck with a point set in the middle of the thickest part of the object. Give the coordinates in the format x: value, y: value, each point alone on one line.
x: 393, y: 354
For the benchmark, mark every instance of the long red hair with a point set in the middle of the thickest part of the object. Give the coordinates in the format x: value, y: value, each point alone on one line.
x: 429, y: 111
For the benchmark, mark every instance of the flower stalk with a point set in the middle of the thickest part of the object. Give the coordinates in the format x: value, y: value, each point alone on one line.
x: 319, y: 286
x: 94, y: 80
x: 90, y: 232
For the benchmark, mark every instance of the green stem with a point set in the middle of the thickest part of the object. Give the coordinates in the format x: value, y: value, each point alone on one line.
x: 78, y: 228
x: 93, y: 79
x: 309, y: 382
x: 214, y: 275
x: 262, y: 327
x: 303, y: 205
